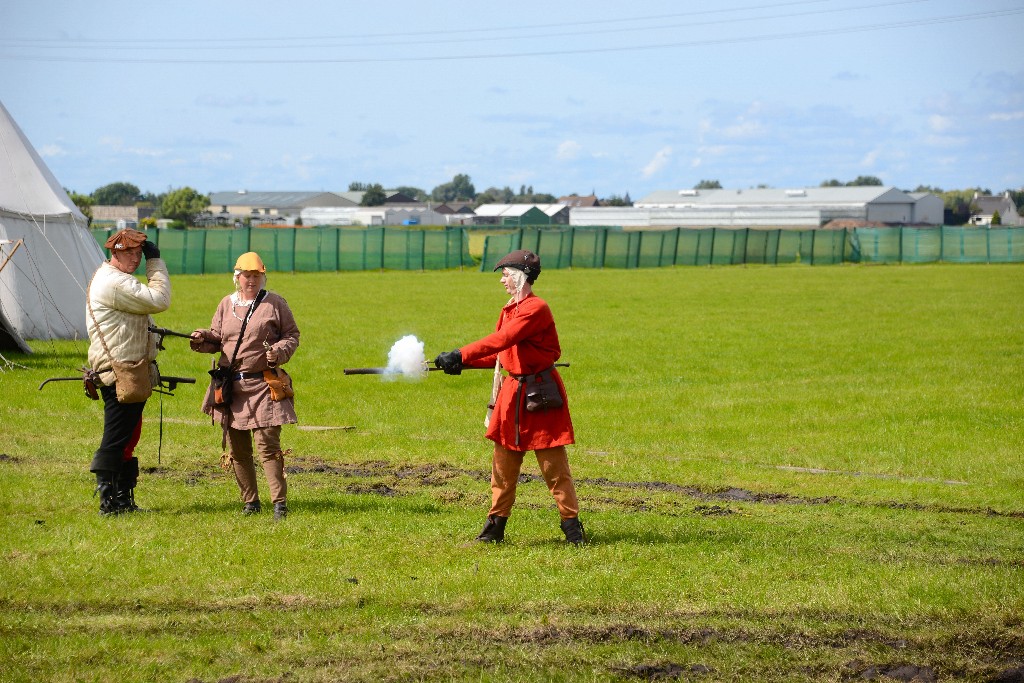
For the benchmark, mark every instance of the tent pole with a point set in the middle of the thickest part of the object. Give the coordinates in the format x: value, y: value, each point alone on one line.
x: 11, y: 255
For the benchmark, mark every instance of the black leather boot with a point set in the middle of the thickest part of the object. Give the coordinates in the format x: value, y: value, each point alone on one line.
x: 126, y: 481
x: 106, y: 486
x: 494, y: 530
x: 573, y: 530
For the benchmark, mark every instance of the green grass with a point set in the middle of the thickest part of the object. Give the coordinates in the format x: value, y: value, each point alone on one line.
x: 787, y: 473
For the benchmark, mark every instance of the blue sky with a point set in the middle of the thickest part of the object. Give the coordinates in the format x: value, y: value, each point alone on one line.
x: 561, y: 96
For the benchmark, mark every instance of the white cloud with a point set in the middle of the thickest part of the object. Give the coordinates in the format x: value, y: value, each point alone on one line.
x: 51, y: 151
x: 870, y: 159
x: 660, y: 160
x: 215, y: 157
x: 570, y: 149
x: 743, y: 129
x: 939, y: 123
x: 697, y: 161
x: 1007, y: 116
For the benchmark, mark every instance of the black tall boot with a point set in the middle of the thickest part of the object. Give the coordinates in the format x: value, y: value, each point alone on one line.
x: 106, y: 486
x: 127, y: 479
x: 573, y: 530
x: 494, y: 530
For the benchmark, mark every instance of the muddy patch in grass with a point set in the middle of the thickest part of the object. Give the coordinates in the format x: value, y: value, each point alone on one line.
x: 909, y: 673
x: 9, y: 458
x: 400, y: 479
x: 662, y: 672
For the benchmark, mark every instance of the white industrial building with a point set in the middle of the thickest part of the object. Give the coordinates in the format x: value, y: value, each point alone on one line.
x: 768, y: 208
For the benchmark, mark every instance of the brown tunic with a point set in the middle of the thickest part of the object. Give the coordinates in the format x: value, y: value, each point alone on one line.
x: 273, y: 323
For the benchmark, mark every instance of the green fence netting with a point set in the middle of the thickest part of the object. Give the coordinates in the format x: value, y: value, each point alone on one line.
x: 617, y: 248
x: 310, y: 249
x: 341, y: 249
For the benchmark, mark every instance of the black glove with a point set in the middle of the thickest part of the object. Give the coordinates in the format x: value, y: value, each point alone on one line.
x: 450, y: 362
x: 150, y: 250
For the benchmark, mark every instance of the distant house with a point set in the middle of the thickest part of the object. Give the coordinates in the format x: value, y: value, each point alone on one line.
x: 522, y: 214
x: 452, y: 207
x: 269, y: 207
x: 575, y: 201
x: 987, y: 205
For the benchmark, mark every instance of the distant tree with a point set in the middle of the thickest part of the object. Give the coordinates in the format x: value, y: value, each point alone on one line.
x: 864, y: 180
x: 358, y: 187
x: 494, y: 195
x: 374, y: 195
x: 996, y: 218
x: 116, y: 194
x: 84, y: 203
x: 708, y: 185
x: 959, y: 205
x: 522, y: 190
x: 147, y: 222
x: 831, y: 183
x: 1018, y: 199
x: 414, y: 192
x: 184, y: 205
x: 928, y: 188
x: 460, y: 188
x: 616, y: 200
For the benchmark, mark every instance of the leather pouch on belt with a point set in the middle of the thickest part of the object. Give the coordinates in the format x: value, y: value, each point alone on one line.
x: 280, y: 383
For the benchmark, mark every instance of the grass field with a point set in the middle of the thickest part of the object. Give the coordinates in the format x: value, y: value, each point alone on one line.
x: 787, y: 474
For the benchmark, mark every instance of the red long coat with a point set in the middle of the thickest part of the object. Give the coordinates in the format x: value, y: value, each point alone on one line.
x: 526, y: 341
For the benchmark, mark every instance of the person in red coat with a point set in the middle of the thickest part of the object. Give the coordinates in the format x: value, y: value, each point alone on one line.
x: 525, y: 344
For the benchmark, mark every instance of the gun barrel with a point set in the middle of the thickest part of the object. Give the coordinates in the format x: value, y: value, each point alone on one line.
x: 60, y: 379
x: 178, y: 380
x: 164, y: 332
x: 426, y: 368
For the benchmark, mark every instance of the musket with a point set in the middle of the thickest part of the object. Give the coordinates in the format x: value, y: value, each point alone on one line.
x: 426, y: 368
x: 162, y: 332
x: 166, y: 382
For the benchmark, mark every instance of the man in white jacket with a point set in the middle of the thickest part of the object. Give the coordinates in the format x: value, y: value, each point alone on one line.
x: 118, y: 315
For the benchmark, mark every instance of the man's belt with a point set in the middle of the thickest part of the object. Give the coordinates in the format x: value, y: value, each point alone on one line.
x: 247, y: 375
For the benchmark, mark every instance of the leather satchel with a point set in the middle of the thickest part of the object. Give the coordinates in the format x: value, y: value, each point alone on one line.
x: 542, y: 392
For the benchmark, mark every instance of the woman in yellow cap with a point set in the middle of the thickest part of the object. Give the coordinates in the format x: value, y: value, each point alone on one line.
x: 255, y: 332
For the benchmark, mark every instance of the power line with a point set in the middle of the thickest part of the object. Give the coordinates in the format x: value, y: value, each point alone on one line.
x: 794, y: 35
x: 440, y: 32
x: 395, y: 39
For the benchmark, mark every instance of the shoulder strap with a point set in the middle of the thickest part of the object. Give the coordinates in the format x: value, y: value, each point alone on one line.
x: 252, y: 308
x: 95, y: 323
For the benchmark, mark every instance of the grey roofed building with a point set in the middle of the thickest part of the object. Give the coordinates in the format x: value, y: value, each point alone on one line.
x: 269, y: 206
x: 393, y: 197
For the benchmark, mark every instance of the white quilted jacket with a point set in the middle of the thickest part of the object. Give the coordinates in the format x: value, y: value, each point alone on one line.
x: 122, y: 306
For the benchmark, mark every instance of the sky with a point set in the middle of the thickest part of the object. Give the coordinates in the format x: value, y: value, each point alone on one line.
x: 562, y: 97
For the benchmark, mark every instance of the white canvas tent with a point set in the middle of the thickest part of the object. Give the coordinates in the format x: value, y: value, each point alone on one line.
x: 43, y: 284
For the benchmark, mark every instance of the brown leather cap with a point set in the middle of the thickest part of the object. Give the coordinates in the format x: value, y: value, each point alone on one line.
x: 523, y: 260
x: 125, y: 239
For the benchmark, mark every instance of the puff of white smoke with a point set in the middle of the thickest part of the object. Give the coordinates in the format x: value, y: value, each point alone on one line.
x: 406, y: 358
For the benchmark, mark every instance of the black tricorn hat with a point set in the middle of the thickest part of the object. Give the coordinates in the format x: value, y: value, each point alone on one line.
x: 523, y: 260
